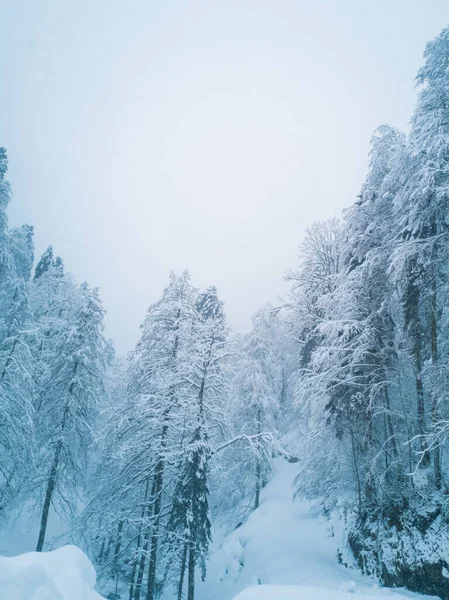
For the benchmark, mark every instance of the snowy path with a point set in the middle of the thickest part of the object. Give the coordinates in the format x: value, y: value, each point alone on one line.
x: 285, y: 544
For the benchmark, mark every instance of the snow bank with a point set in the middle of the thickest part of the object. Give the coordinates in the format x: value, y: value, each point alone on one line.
x: 64, y: 574
x: 291, y: 592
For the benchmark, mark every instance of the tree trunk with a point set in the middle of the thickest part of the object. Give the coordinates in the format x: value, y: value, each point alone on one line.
x: 390, y: 429
x: 413, y: 325
x: 118, y: 545
x: 182, y: 572
x: 434, y: 401
x: 191, y: 581
x: 420, y: 404
x: 142, y: 565
x: 48, y: 494
x: 138, y: 543
x: 436, y: 451
x: 53, y: 473
x: 158, y: 482
x: 357, y: 476
x: 132, y: 577
x: 102, y: 549
x: 258, y: 465
x: 9, y: 359
x: 157, y: 493
x: 258, y: 484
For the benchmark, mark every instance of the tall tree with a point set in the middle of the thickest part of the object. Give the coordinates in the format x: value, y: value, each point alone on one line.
x: 69, y: 405
x: 190, y: 519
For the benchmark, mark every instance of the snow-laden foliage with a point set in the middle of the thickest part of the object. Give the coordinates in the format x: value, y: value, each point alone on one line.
x: 52, y: 365
x: 372, y: 383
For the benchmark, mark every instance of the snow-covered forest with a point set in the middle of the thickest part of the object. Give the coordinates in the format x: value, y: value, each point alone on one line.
x: 148, y: 458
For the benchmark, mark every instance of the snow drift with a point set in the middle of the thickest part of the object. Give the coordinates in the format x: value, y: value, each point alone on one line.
x: 63, y: 574
x: 290, y: 592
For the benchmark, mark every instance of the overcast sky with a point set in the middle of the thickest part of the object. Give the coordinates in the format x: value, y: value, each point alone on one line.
x: 146, y: 136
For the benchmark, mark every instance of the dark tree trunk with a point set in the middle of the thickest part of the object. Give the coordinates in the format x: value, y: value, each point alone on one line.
x: 389, y: 424
x: 138, y: 544
x: 258, y: 465
x: 436, y: 451
x: 191, y: 581
x: 258, y: 484
x: 434, y: 353
x: 141, y: 571
x: 157, y: 493
x: 420, y: 405
x: 132, y: 577
x: 118, y: 545
x: 413, y: 326
x: 357, y: 475
x: 158, y: 482
x: 9, y: 359
x: 182, y: 571
x: 53, y: 473
x: 102, y: 549
x: 51, y: 484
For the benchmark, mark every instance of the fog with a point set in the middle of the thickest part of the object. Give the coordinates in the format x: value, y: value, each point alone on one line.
x: 148, y: 136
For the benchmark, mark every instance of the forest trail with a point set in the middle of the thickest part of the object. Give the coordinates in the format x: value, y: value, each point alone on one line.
x: 286, y: 543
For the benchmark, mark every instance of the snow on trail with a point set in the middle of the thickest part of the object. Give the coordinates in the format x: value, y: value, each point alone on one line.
x: 285, y: 544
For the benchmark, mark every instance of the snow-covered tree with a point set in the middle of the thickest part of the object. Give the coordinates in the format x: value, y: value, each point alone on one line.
x: 189, y: 522
x: 258, y: 384
x: 69, y: 404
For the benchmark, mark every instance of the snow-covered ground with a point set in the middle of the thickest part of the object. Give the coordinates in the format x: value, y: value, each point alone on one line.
x: 285, y: 551
x: 64, y: 574
x: 298, y: 592
x: 288, y: 552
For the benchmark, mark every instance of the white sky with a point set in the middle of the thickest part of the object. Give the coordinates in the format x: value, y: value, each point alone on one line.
x: 146, y: 136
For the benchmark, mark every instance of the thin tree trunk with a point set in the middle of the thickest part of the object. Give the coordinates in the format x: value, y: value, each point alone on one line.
x: 157, y: 494
x: 145, y: 546
x: 109, y: 546
x: 408, y: 428
x: 52, y: 480
x: 436, y: 451
x: 415, y: 332
x: 420, y: 405
x: 390, y: 435
x: 191, y: 581
x: 434, y: 402
x: 138, y: 543
x: 48, y: 494
x: 102, y: 549
x: 357, y: 476
x: 258, y: 465
x: 142, y: 565
x: 9, y: 359
x: 182, y: 572
x: 118, y: 545
x: 133, y: 576
x: 53, y: 473
x: 158, y: 482
x: 386, y: 443
x: 258, y: 485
